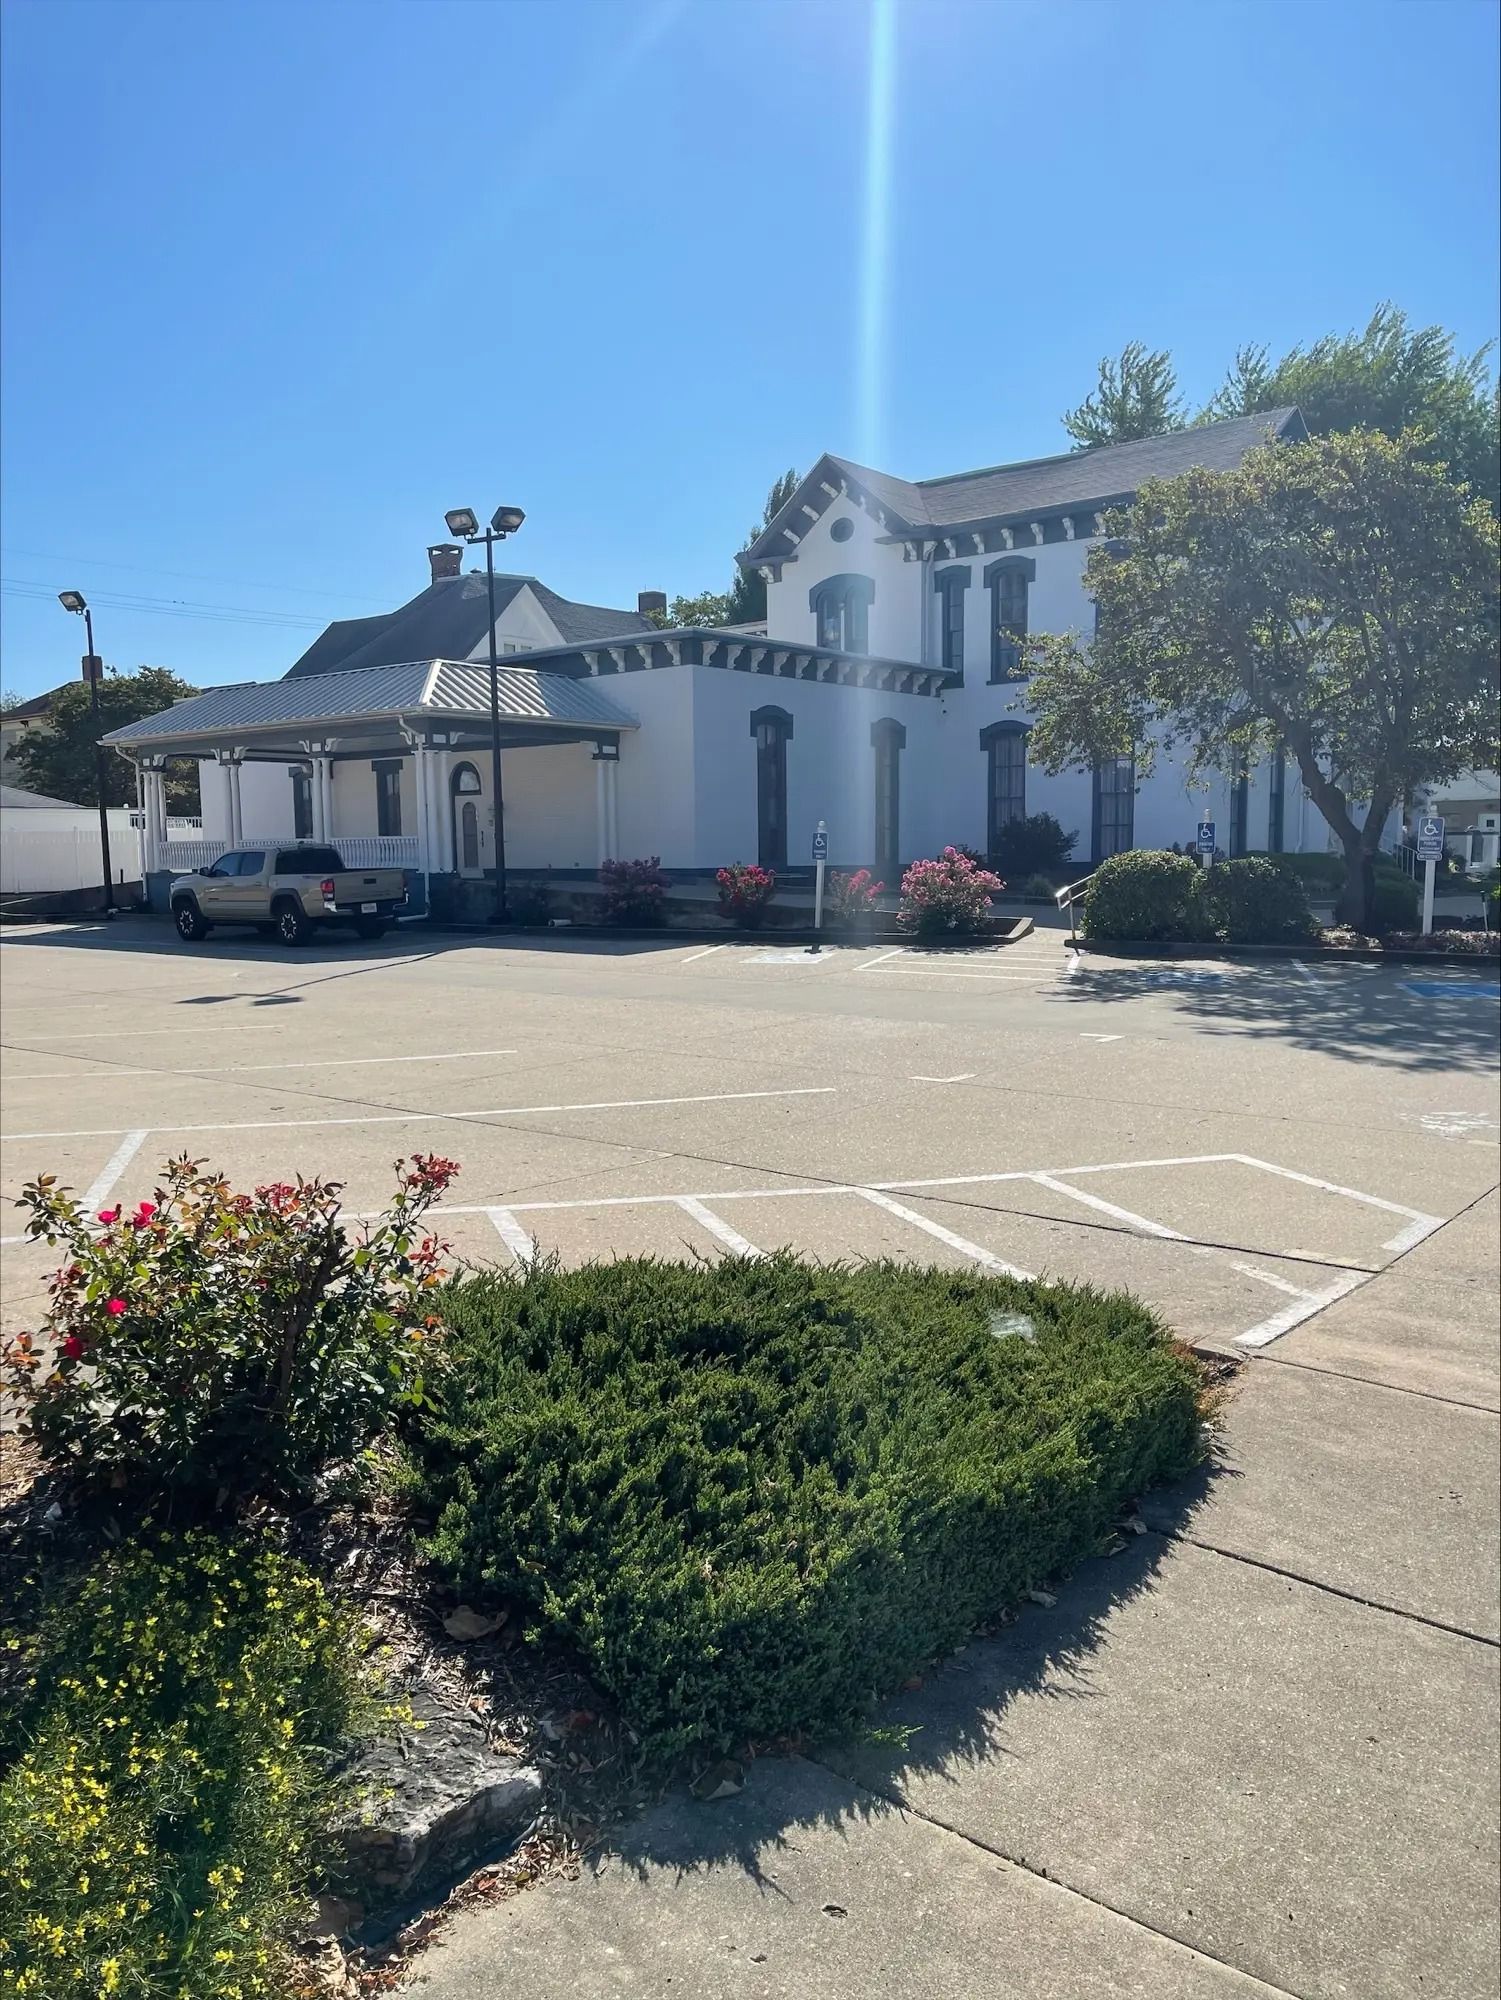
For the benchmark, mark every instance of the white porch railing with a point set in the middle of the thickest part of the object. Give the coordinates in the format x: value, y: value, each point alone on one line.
x: 359, y: 850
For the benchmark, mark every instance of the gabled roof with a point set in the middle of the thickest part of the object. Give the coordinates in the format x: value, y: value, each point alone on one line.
x: 414, y: 688
x: 447, y: 621
x: 37, y: 704
x: 1026, y: 489
x: 16, y: 797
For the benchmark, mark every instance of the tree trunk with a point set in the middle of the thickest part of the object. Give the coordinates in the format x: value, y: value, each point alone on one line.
x: 1355, y: 897
x: 1358, y: 894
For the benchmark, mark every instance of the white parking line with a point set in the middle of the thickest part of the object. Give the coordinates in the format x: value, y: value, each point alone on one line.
x: 895, y: 952
x: 116, y: 1164
x: 959, y: 1243
x: 1132, y: 1221
x: 1421, y: 1225
x: 1302, y: 970
x: 1268, y: 1330
x: 244, y: 1069
x: 693, y: 956
x: 417, y: 1117
x: 521, y: 1246
x: 717, y: 1226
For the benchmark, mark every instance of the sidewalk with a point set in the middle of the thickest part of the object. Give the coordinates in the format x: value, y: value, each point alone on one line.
x: 1254, y: 1753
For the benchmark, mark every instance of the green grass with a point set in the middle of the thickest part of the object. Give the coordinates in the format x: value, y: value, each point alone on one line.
x: 757, y: 1495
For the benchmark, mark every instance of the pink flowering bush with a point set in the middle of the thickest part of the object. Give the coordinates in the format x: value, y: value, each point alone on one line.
x: 223, y: 1344
x: 745, y: 892
x: 635, y: 892
x: 850, y: 900
x: 947, y: 897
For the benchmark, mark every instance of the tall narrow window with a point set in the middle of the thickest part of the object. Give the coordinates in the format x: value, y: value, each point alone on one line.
x: 771, y: 728
x: 1276, y: 812
x: 1240, y: 809
x: 841, y: 611
x: 387, y: 795
x: 951, y: 584
x: 1007, y: 579
x: 888, y: 737
x: 302, y: 803
x: 1114, y: 806
x: 1005, y: 745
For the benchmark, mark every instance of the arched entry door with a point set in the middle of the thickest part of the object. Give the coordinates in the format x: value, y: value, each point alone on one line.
x: 464, y: 787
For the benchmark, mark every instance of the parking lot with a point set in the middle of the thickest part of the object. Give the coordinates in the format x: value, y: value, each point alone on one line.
x: 1255, y: 1749
x: 1243, y: 1146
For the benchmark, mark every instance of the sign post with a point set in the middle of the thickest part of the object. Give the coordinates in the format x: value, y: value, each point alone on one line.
x: 820, y: 856
x: 1430, y: 849
x: 1205, y: 841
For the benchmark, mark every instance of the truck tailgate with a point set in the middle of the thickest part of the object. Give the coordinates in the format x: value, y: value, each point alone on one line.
x: 354, y: 886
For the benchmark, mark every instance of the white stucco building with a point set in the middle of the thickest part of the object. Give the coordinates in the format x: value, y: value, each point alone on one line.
x: 878, y: 699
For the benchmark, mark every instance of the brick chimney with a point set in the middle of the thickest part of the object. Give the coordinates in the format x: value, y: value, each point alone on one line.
x: 445, y: 559
x: 651, y: 603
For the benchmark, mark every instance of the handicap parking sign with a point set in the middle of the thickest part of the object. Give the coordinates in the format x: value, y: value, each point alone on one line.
x: 1430, y: 840
x: 1206, y: 836
x: 821, y: 843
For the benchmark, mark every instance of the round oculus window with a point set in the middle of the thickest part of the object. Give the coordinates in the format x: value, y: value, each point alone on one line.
x: 842, y: 529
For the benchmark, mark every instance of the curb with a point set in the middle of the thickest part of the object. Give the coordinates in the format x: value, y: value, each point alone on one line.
x: 1310, y: 954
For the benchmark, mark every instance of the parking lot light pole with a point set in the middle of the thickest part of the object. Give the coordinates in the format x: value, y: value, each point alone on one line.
x: 93, y: 669
x: 463, y: 521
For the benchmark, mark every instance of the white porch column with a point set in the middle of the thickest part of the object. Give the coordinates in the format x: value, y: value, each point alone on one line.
x: 154, y: 805
x: 612, y: 768
x: 602, y: 807
x: 420, y: 784
x: 229, y: 763
x: 439, y: 815
x: 324, y: 792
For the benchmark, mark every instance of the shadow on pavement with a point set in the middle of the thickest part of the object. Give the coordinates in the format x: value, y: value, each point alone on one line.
x: 954, y: 1721
x: 1348, y: 1011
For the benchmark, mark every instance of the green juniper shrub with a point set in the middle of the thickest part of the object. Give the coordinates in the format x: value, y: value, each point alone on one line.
x: 757, y: 1495
x: 1145, y: 894
x: 168, y: 1785
x: 217, y: 1345
x: 1253, y: 901
x: 1321, y: 874
x: 1027, y: 846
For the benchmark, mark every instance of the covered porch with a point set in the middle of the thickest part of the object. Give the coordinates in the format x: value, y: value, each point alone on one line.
x: 392, y: 765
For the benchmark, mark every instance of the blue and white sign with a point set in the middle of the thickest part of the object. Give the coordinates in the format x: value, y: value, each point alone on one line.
x: 1206, y: 836
x: 1430, y: 837
x: 821, y: 843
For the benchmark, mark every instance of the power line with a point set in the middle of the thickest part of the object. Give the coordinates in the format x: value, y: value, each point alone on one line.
x: 164, y: 607
x: 187, y: 575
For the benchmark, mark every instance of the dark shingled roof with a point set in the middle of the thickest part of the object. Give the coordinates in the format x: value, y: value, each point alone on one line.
x: 447, y: 621
x: 1036, y: 485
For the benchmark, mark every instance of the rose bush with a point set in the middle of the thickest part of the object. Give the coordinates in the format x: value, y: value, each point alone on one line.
x: 745, y: 893
x: 232, y: 1344
x: 635, y: 892
x: 948, y: 896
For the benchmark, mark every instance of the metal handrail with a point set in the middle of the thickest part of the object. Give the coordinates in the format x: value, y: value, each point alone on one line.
x: 1066, y: 897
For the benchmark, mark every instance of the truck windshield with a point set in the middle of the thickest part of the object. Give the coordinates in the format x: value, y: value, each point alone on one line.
x: 308, y: 861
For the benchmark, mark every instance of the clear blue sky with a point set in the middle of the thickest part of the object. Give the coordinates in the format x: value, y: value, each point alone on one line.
x: 282, y: 282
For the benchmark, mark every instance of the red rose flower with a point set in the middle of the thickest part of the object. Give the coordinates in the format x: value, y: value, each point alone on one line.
x: 72, y: 1347
x: 114, y: 1307
x: 109, y: 1215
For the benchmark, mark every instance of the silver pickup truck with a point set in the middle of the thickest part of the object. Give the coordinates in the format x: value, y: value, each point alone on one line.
x: 286, y: 892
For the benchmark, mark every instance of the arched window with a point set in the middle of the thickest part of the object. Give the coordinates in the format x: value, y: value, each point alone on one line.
x: 772, y: 728
x: 1007, y: 580
x: 888, y: 738
x: 1005, y: 745
x: 302, y: 803
x: 464, y: 789
x: 841, y: 607
x: 951, y: 584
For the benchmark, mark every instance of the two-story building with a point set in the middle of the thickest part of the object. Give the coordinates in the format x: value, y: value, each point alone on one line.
x: 880, y: 698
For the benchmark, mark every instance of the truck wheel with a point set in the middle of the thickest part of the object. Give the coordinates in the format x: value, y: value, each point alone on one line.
x: 370, y: 927
x: 189, y: 921
x: 292, y: 925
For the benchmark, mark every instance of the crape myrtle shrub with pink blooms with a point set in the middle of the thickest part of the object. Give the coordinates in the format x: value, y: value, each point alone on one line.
x: 948, y: 896
x: 850, y: 900
x: 745, y: 892
x: 225, y: 1345
x: 635, y: 892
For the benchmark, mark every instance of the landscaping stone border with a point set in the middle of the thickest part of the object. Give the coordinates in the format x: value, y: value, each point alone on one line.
x: 1158, y: 948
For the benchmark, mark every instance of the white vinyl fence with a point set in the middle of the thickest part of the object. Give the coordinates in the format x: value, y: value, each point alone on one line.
x: 372, y: 850
x: 35, y: 861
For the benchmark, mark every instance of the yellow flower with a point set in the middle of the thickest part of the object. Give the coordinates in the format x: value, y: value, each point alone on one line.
x: 109, y: 1972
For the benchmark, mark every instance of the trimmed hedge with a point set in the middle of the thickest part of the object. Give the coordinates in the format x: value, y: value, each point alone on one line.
x: 1254, y: 902
x: 1145, y: 894
x: 757, y: 1495
x: 1394, y: 902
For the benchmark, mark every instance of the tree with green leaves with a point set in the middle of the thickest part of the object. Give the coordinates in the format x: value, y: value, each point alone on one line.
x: 1136, y: 397
x: 747, y: 593
x: 58, y: 760
x: 1335, y: 600
x: 1392, y: 377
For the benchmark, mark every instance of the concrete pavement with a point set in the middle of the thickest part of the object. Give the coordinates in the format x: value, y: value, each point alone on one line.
x: 1253, y: 1752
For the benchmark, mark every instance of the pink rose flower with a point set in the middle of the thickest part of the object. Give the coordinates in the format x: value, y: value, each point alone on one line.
x: 109, y: 1215
x: 114, y: 1307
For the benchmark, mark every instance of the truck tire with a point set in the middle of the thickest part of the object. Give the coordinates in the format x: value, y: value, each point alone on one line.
x: 188, y: 920
x: 293, y: 925
x: 370, y: 927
